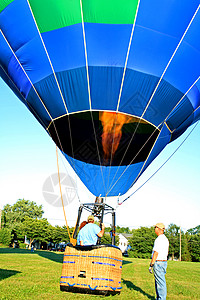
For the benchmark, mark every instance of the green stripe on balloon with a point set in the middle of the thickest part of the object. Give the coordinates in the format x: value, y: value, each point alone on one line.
x: 51, y: 15
x: 4, y: 3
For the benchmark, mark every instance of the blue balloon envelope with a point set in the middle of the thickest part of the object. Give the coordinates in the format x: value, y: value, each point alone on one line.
x: 112, y: 83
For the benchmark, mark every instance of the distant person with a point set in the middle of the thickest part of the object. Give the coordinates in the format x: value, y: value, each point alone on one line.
x: 158, y: 264
x: 89, y: 234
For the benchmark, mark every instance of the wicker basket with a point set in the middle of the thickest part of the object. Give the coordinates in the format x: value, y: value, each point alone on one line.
x: 92, y: 269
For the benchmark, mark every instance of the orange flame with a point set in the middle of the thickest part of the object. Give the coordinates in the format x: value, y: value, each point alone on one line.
x: 112, y: 123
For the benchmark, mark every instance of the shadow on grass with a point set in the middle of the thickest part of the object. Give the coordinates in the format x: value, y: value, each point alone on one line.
x: 125, y: 262
x: 14, y: 250
x: 7, y: 273
x: 131, y: 286
x: 51, y: 255
x: 57, y: 257
x: 46, y: 254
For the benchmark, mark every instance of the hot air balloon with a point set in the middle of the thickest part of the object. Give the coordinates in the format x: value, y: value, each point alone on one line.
x: 112, y: 82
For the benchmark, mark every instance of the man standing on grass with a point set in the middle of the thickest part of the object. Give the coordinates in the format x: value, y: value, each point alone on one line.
x: 159, y: 261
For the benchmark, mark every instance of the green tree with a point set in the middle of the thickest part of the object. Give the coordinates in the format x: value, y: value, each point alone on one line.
x: 122, y: 229
x: 193, y: 238
x: 142, y: 242
x: 13, y: 217
x: 17, y: 212
x: 106, y: 239
x: 185, y: 252
x: 194, y: 230
x: 59, y: 234
x: 18, y: 231
x: 7, y: 218
x: 6, y: 236
x: 37, y: 229
x: 108, y: 229
x: 173, y: 235
x: 194, y: 247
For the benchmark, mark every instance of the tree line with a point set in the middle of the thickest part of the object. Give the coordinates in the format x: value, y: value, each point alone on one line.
x: 182, y: 245
x: 24, y: 218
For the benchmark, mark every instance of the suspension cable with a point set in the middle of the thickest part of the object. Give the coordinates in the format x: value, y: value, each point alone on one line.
x: 61, y: 194
x: 160, y: 166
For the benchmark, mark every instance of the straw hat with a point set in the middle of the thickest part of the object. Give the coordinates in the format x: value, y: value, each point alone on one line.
x: 160, y: 225
x: 90, y: 218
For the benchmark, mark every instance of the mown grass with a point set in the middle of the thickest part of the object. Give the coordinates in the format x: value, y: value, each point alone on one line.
x: 26, y: 275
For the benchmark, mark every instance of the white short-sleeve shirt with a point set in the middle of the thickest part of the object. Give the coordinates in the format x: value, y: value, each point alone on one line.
x: 161, y: 245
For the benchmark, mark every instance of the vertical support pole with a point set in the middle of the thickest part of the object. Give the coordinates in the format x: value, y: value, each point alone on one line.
x: 113, y: 228
x: 78, y: 221
x: 101, y: 221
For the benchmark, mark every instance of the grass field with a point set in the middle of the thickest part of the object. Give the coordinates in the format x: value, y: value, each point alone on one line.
x: 26, y: 275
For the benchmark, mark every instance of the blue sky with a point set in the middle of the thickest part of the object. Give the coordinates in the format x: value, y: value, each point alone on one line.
x: 28, y: 158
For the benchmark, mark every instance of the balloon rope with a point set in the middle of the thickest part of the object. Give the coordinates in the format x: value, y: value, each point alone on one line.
x: 161, y: 165
x: 61, y: 194
x: 112, y: 186
x: 64, y: 165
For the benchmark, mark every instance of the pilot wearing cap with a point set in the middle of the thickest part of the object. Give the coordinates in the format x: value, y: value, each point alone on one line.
x: 159, y: 261
x: 89, y: 234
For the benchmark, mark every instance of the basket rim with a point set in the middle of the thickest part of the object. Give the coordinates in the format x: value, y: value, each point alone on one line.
x: 91, y: 247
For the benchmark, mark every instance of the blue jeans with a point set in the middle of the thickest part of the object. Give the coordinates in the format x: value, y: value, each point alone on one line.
x: 159, y: 270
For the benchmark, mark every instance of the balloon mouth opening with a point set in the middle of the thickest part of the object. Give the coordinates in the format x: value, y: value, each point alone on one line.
x: 104, y: 138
